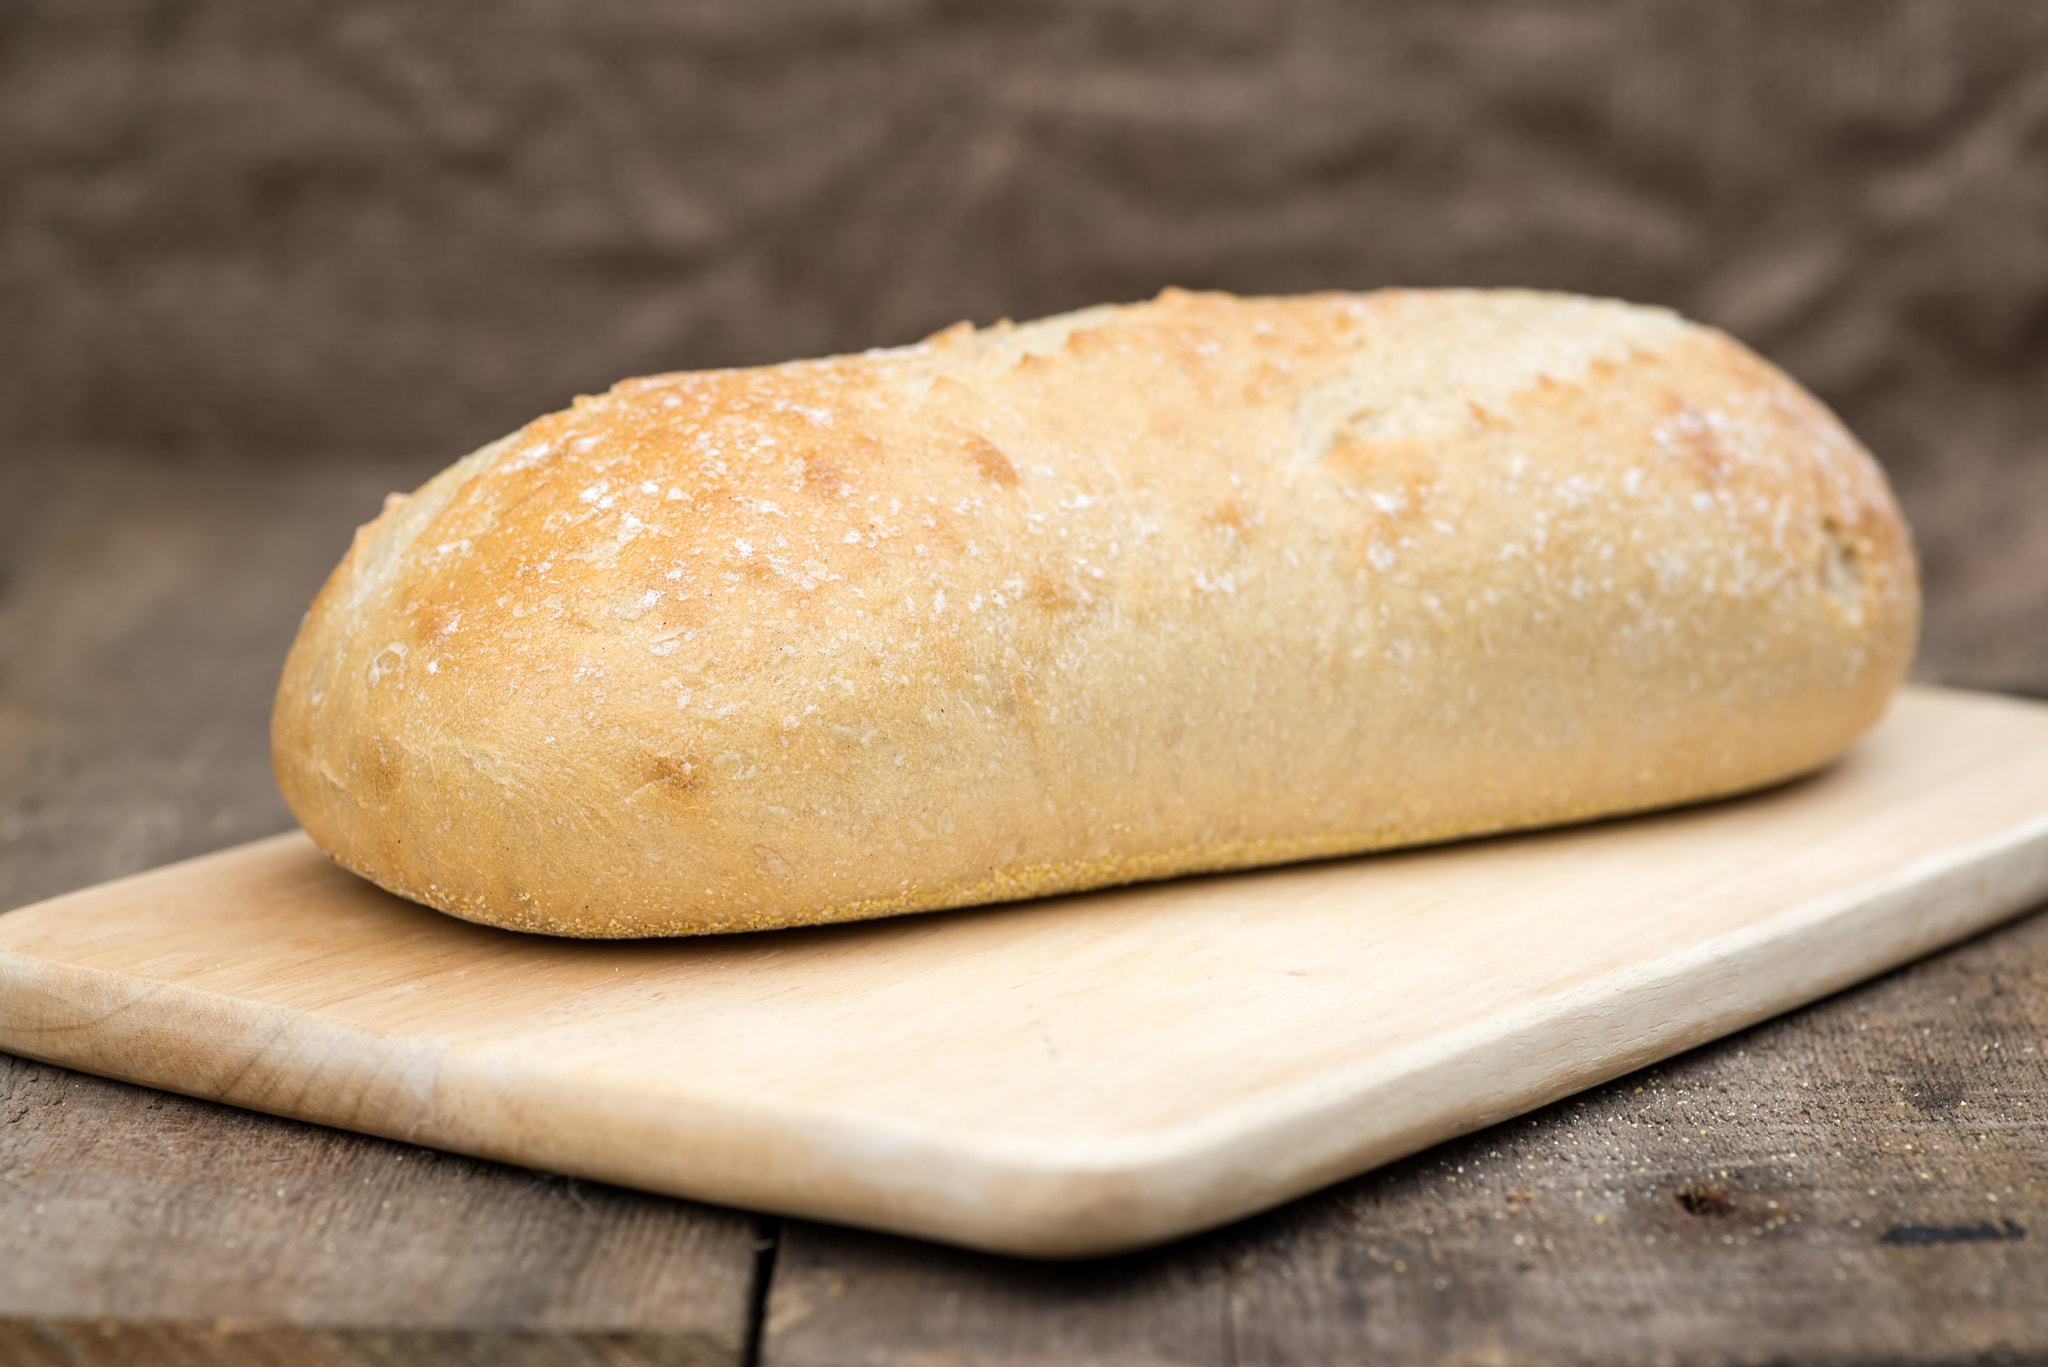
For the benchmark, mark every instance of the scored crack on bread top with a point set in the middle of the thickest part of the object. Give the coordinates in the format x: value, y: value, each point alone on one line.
x: 1194, y: 584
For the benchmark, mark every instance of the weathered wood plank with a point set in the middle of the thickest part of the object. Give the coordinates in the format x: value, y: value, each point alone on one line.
x: 118, y: 1202
x: 111, y: 1343
x: 1860, y: 1180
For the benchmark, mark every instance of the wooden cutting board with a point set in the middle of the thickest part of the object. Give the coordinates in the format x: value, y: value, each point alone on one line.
x: 1064, y: 1077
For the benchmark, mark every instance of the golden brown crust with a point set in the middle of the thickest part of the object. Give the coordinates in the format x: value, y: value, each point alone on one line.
x: 1194, y: 584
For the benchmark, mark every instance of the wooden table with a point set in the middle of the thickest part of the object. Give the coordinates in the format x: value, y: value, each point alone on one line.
x: 1863, y: 1179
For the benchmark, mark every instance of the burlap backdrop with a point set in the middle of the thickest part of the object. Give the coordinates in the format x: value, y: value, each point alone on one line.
x: 302, y: 229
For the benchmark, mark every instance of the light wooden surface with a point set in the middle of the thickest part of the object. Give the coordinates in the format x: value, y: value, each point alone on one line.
x: 1056, y: 1078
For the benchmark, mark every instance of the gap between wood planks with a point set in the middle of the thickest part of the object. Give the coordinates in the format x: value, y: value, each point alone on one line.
x: 767, y: 1242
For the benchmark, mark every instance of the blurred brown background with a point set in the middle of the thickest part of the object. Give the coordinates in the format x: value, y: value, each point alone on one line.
x: 261, y: 260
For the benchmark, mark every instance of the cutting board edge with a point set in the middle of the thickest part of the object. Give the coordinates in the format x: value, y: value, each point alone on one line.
x: 43, y: 1005
x: 1927, y: 913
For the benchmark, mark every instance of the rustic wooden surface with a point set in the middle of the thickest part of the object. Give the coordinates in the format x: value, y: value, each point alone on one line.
x: 142, y: 610
x: 127, y: 1204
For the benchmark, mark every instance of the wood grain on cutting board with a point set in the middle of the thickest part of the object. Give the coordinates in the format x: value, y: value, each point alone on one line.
x: 1061, y: 1077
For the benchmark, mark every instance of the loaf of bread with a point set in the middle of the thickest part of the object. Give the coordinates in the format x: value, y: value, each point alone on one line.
x: 1138, y: 591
